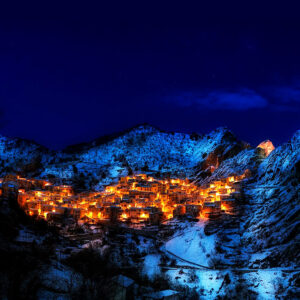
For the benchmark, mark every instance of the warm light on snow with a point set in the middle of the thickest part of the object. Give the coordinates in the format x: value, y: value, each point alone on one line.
x: 267, y: 146
x: 146, y: 200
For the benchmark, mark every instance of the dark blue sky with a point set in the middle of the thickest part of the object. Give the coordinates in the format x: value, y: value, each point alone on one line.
x: 73, y: 72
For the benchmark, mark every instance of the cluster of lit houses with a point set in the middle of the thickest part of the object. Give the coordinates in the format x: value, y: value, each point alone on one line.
x: 135, y: 199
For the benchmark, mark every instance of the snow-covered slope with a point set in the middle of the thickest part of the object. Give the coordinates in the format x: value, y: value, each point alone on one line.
x: 16, y: 153
x: 266, y: 231
x: 258, y: 247
x: 159, y: 150
x: 273, y: 224
x: 147, y: 148
x: 282, y: 164
x: 247, y: 159
x: 268, y: 223
x: 143, y: 148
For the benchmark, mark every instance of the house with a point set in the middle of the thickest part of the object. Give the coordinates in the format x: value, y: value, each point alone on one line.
x: 114, y: 213
x: 180, y: 210
x: 137, y: 199
x: 193, y: 210
x: 228, y: 204
x: 236, y: 195
x: 211, y: 209
x: 143, y: 187
x: 155, y: 218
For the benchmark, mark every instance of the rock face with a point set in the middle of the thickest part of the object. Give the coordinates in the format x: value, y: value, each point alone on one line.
x: 227, y: 148
x: 273, y: 227
x: 281, y: 165
x: 269, y: 224
x: 267, y: 146
x: 238, y: 164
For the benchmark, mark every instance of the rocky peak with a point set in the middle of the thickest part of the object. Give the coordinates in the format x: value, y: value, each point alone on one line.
x: 267, y: 146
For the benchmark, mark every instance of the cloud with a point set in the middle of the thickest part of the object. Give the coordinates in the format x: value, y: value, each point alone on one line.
x: 286, y: 94
x: 240, y: 100
x: 284, y: 98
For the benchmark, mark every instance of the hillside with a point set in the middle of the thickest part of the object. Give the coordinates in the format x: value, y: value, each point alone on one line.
x: 143, y: 148
x: 269, y: 216
x: 253, y: 251
x: 22, y: 155
x: 273, y: 225
x: 262, y: 239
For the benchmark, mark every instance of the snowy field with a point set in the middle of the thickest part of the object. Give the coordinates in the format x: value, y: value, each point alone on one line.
x: 193, y: 245
x: 264, y: 284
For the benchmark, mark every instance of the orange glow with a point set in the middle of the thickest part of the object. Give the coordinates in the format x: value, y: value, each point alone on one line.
x: 124, y: 216
x: 267, y: 146
x: 144, y: 216
x: 231, y: 179
x: 134, y: 197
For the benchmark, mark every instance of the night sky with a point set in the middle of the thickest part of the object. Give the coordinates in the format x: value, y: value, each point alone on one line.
x: 73, y: 72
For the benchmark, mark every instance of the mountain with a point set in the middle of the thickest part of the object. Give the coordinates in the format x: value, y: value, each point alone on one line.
x: 258, y: 248
x: 254, y: 252
x: 272, y: 193
x: 273, y: 224
x: 140, y: 149
x: 145, y: 148
x: 21, y: 155
x: 269, y: 222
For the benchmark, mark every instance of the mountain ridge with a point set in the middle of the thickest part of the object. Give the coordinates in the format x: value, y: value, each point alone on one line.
x: 141, y: 147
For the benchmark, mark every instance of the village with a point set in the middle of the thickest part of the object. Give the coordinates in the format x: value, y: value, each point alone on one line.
x: 138, y: 199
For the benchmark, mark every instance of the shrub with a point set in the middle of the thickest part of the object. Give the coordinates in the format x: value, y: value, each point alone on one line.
x: 215, y: 261
x: 192, y: 276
